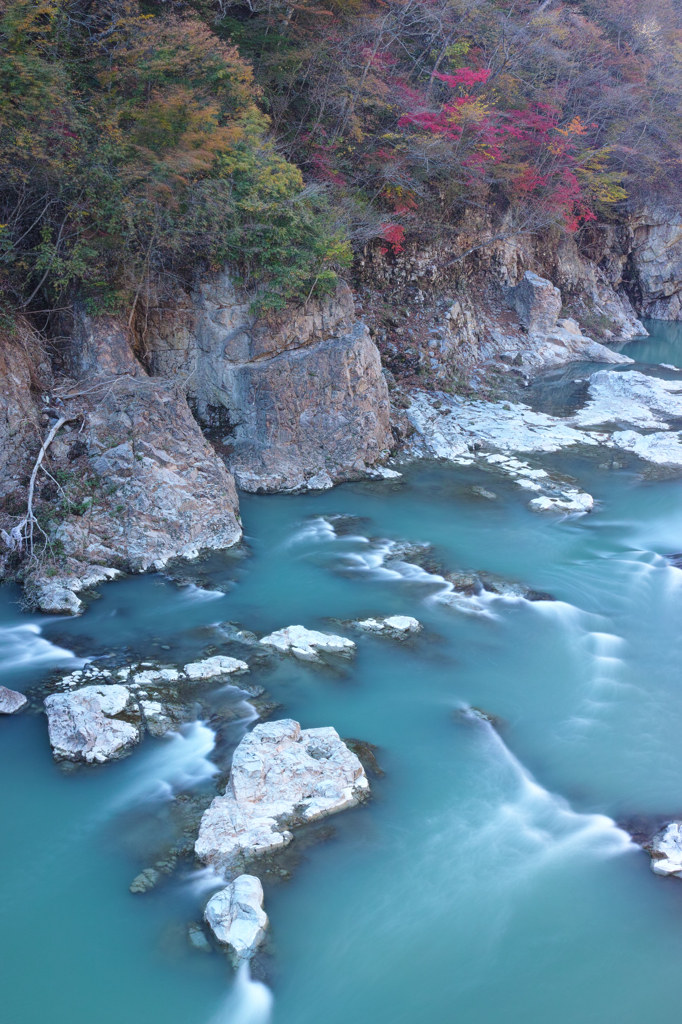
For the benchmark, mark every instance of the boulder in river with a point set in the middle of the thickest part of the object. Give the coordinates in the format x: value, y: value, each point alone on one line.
x: 398, y: 627
x: 236, y: 917
x: 308, y: 644
x: 666, y: 850
x: 11, y: 701
x: 216, y: 666
x: 83, y: 726
x: 281, y: 776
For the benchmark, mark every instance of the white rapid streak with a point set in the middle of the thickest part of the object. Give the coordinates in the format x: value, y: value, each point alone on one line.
x: 542, y: 823
x: 192, y: 594
x: 315, y: 530
x: 23, y: 646
x: 249, y: 1002
x: 201, y: 881
x: 177, y: 763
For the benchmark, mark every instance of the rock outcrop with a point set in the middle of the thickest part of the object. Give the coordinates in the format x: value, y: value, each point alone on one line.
x: 666, y: 850
x: 299, y: 401
x: 11, y: 701
x: 308, y: 644
x: 281, y: 776
x: 656, y: 260
x: 398, y: 627
x: 236, y: 917
x: 83, y: 725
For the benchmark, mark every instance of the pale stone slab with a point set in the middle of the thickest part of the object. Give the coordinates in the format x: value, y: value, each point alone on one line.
x: 236, y: 916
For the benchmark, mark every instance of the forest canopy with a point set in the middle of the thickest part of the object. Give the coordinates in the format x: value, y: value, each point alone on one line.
x: 143, y: 139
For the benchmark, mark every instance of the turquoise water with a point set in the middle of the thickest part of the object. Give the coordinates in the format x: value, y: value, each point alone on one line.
x: 487, y: 881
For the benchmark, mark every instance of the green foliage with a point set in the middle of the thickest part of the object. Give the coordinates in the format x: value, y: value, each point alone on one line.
x: 132, y: 146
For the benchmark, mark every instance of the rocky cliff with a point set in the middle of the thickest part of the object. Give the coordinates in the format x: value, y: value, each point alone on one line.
x: 297, y: 401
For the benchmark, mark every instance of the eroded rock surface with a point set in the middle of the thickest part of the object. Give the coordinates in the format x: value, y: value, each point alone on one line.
x: 281, y: 776
x: 11, y: 701
x: 300, y: 401
x: 210, y: 668
x: 398, y: 627
x: 236, y: 917
x: 308, y: 644
x: 83, y: 726
x: 666, y: 850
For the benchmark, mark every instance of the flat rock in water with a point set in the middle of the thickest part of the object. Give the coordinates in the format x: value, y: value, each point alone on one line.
x: 398, y: 627
x: 307, y: 644
x: 666, y: 850
x: 11, y: 701
x: 236, y: 917
x: 82, y: 726
x: 281, y: 776
x: 217, y: 666
x: 568, y: 501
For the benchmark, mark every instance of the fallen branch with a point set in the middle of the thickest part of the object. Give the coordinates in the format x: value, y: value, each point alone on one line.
x: 23, y: 533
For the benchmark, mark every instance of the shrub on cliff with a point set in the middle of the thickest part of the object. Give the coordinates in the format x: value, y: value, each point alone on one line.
x: 132, y: 146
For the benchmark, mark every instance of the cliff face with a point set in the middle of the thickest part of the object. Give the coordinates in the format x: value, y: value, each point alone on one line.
x: 129, y: 481
x: 534, y: 302
x: 296, y: 402
x: 654, y: 237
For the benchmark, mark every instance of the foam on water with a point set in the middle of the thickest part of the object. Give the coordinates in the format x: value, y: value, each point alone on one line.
x: 193, y: 594
x: 23, y: 646
x: 179, y: 762
x: 249, y: 1002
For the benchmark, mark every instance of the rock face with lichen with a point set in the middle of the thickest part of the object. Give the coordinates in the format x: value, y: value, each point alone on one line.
x: 281, y: 776
x: 299, y: 401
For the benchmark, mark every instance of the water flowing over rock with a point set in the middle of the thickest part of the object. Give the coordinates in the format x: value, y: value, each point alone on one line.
x: 398, y: 627
x: 299, y: 399
x: 82, y: 725
x: 666, y: 850
x: 11, y: 701
x: 308, y: 644
x: 281, y: 776
x: 236, y: 917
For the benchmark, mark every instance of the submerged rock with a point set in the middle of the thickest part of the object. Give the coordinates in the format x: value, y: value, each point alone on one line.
x: 281, y: 776
x: 146, y: 880
x: 11, y: 701
x: 398, y: 627
x: 82, y: 725
x: 308, y: 644
x: 209, y: 668
x: 236, y: 917
x: 197, y: 938
x: 666, y: 850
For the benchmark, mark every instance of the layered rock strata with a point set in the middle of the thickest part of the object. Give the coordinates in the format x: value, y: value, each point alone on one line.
x: 281, y: 776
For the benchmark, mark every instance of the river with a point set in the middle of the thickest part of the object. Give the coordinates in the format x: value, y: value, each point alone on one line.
x: 488, y: 879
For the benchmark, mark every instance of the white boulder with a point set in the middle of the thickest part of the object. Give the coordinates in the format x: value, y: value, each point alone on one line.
x: 82, y: 726
x: 307, y: 644
x: 11, y: 701
x: 666, y: 851
x: 217, y: 666
x: 396, y: 626
x: 570, y: 500
x: 236, y: 916
x: 281, y: 776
